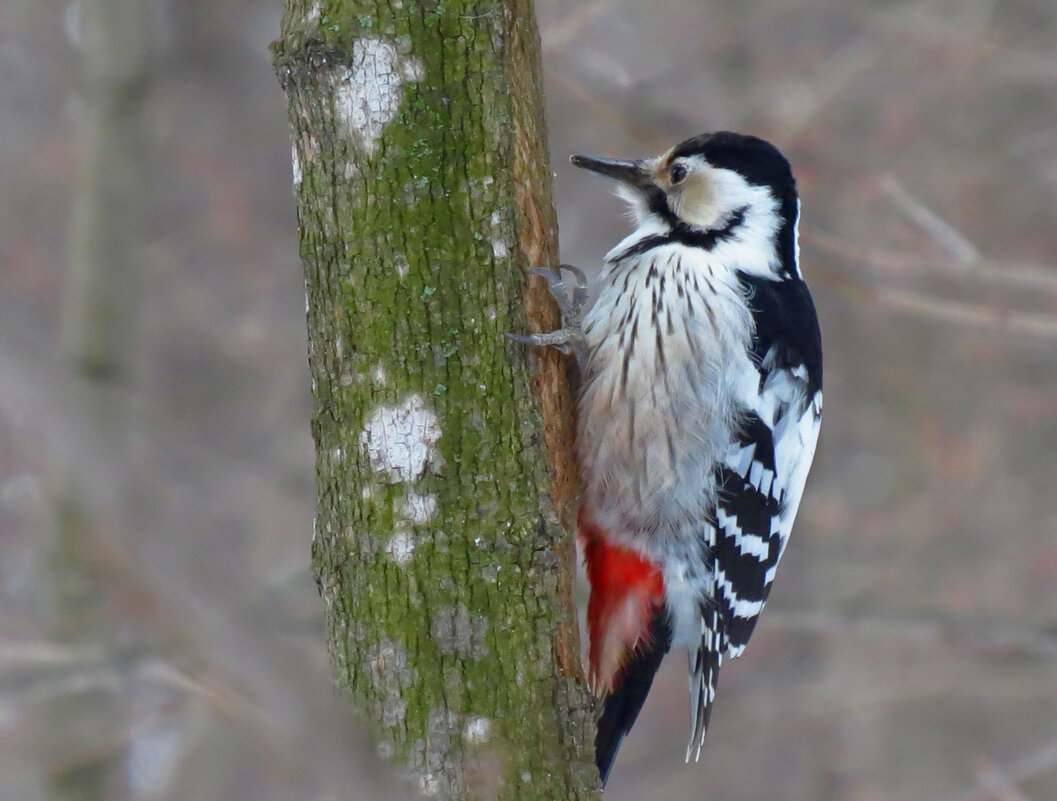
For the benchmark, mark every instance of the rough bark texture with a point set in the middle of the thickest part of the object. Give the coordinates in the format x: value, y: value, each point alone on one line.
x: 423, y: 186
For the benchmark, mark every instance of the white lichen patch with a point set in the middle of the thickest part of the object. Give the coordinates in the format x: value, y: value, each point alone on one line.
x: 429, y: 785
x: 368, y: 92
x: 412, y: 68
x: 295, y: 162
x: 478, y: 730
x: 401, y: 547
x: 418, y: 508
x: 434, y: 760
x: 388, y: 667
x: 456, y: 631
x: 394, y: 710
x: 399, y: 440
x: 378, y: 375
x: 499, y: 236
x: 479, y: 187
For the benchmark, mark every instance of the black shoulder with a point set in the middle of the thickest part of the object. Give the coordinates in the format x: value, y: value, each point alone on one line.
x: 786, y: 322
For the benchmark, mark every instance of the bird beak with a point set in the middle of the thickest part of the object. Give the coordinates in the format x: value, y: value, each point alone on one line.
x: 634, y: 173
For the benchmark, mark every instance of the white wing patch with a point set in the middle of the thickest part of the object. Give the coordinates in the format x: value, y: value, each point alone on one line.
x: 794, y: 450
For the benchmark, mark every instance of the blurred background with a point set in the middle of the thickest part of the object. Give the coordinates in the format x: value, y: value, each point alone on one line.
x: 160, y: 634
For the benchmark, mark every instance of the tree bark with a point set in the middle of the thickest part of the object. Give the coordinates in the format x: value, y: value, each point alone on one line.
x: 423, y: 188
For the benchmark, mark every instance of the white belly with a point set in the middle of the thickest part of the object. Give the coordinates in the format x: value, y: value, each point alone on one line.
x: 667, y: 346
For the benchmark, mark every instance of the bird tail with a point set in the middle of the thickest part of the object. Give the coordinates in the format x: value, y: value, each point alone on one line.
x: 705, y: 662
x: 631, y: 686
x: 629, y: 630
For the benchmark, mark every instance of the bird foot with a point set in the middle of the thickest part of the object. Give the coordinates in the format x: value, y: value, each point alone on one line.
x: 568, y: 339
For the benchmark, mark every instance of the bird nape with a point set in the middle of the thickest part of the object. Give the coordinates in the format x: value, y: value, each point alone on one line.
x: 699, y: 410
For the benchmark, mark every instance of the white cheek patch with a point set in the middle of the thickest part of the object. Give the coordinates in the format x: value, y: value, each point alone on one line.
x: 711, y: 197
x: 697, y: 200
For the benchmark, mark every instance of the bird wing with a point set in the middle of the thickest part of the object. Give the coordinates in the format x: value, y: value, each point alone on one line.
x: 760, y: 481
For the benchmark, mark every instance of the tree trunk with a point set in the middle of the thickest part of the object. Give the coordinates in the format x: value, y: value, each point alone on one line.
x: 423, y: 187
x: 83, y: 733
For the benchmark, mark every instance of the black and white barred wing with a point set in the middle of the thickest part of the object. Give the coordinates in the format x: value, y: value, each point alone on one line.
x: 760, y: 483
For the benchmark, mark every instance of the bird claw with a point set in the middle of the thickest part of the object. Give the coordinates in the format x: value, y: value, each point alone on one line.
x: 571, y: 304
x: 563, y: 340
x: 569, y: 338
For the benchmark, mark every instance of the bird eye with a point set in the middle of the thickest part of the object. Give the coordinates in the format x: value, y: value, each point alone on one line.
x: 677, y: 174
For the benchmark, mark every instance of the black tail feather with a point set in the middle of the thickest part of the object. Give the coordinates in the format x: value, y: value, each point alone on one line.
x: 704, y: 673
x: 623, y: 705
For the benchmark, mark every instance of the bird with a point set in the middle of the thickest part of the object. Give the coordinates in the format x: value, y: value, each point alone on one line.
x: 698, y: 415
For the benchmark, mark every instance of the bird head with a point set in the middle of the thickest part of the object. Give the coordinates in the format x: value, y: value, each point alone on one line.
x: 705, y: 183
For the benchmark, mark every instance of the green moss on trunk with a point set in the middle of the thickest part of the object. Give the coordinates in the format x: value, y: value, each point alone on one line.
x: 423, y: 193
